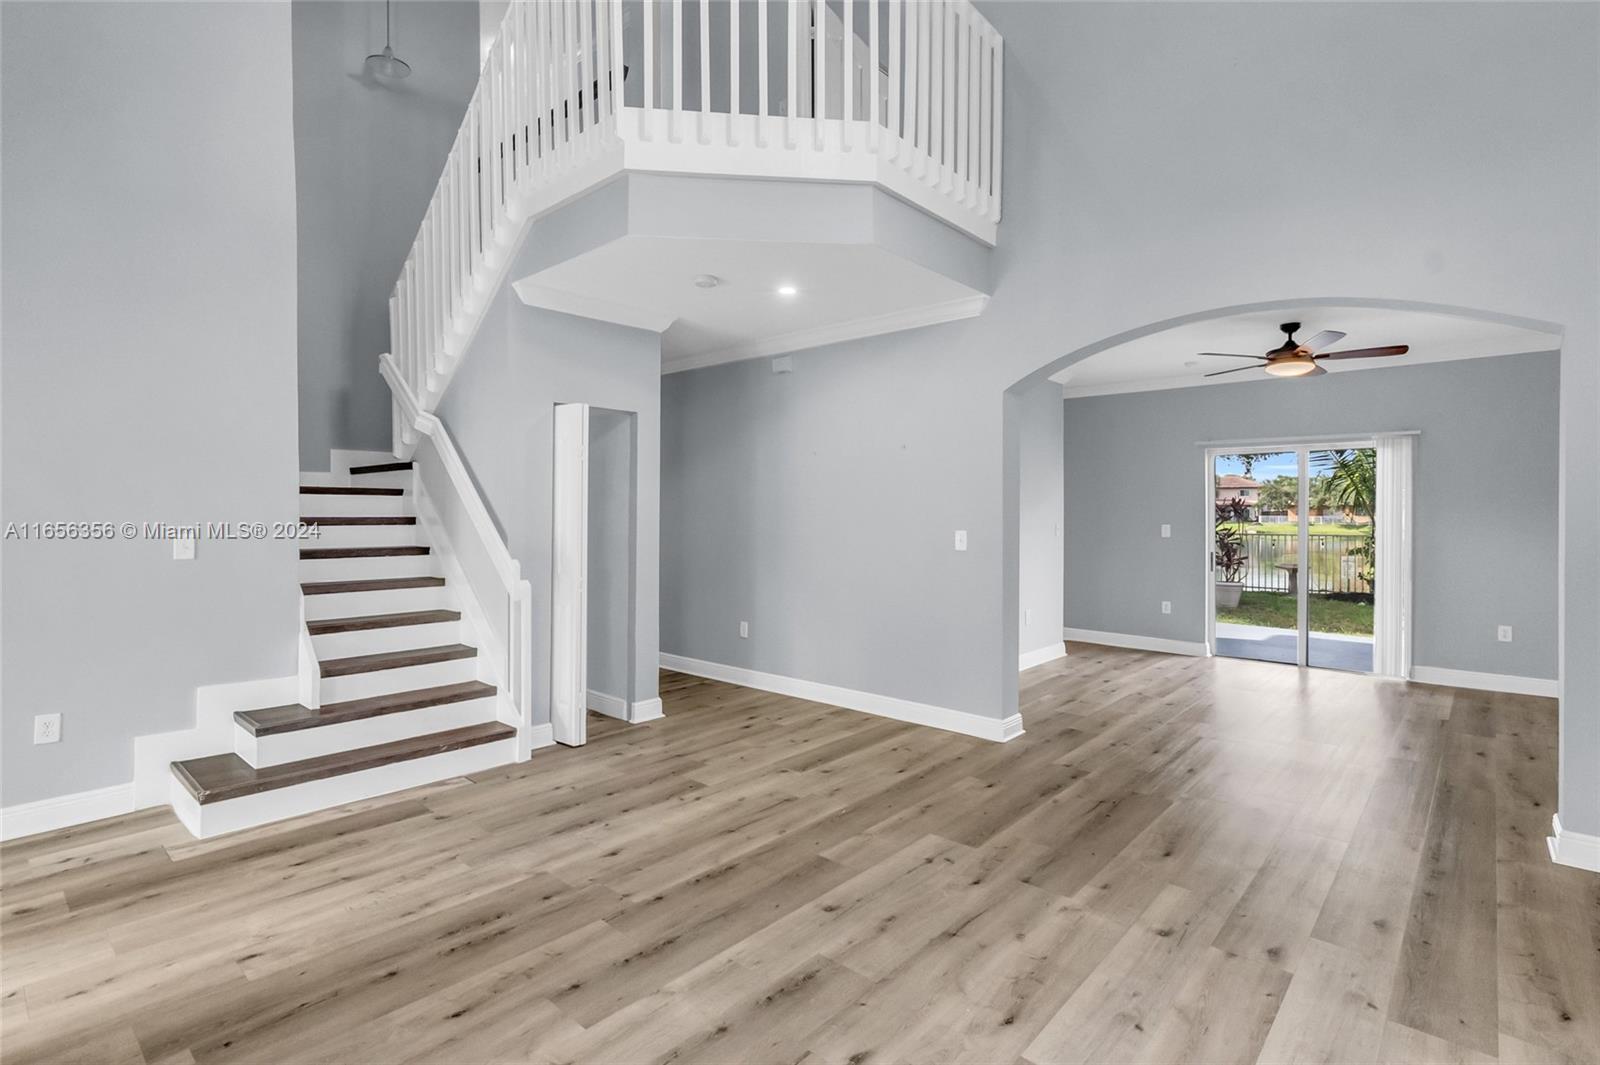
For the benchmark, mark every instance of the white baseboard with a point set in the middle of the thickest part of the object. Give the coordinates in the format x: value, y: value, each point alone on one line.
x: 1135, y: 643
x: 1049, y: 653
x: 1576, y: 849
x: 63, y: 811
x: 941, y: 717
x: 646, y: 710
x: 213, y: 733
x: 1489, y: 682
x: 609, y: 705
x: 617, y: 707
x: 541, y: 736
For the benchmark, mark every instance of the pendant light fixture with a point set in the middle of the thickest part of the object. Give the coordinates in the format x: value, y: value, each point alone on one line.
x: 386, y: 64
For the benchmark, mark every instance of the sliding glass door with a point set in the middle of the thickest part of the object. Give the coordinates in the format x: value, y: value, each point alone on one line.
x: 1292, y: 556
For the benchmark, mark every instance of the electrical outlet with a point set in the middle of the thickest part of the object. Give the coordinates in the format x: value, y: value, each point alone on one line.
x: 961, y: 539
x: 1166, y: 532
x: 1166, y: 606
x: 182, y: 547
x: 47, y: 728
x: 1504, y: 633
x: 744, y: 630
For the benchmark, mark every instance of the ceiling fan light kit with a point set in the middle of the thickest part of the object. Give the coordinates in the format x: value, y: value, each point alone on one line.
x: 1295, y: 359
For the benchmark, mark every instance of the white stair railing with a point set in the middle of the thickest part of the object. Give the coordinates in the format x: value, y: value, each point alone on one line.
x: 907, y: 94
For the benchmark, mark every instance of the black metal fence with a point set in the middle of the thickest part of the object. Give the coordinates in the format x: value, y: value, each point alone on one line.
x: 1273, y: 566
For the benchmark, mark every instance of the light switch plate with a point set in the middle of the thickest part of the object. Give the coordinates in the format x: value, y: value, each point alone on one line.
x: 961, y: 539
x: 1166, y: 532
x: 1503, y: 634
x: 47, y: 728
x: 183, y: 547
x: 1166, y: 606
x: 744, y: 630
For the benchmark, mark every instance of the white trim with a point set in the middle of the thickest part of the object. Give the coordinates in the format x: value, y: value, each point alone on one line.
x: 575, y: 303
x: 941, y: 717
x: 541, y: 736
x: 609, y: 705
x: 569, y: 575
x: 1489, y: 682
x: 1038, y: 657
x: 1577, y: 849
x: 1394, y: 494
x: 1134, y: 642
x: 63, y: 811
x: 646, y: 710
x: 915, y: 318
x: 212, y: 733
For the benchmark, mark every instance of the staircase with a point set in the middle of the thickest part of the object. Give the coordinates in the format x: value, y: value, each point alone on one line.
x: 403, y: 699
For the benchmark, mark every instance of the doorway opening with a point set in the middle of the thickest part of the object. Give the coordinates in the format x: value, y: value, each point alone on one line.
x: 592, y: 569
x: 1293, y: 555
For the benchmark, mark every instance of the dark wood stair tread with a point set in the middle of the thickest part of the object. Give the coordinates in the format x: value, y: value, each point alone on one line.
x: 387, y: 584
x: 362, y: 519
x: 418, y: 656
x: 364, y: 552
x: 273, y: 720
x: 329, y: 626
x: 346, y: 490
x: 227, y: 776
x: 381, y: 467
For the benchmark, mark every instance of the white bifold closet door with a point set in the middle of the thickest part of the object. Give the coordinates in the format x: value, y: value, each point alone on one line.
x: 569, y: 551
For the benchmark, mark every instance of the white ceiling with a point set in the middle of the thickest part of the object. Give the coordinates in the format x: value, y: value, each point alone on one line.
x: 1168, y: 359
x: 844, y: 291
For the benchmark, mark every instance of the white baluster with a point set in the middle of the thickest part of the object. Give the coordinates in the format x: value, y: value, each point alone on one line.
x: 896, y: 120
x: 819, y: 74
x: 847, y: 74
x: 792, y: 60
x: 615, y: 68
x: 872, y: 73
x: 733, y: 72
x: 763, y: 93
x: 963, y: 90
x: 584, y: 69
x: 649, y: 63
x: 999, y: 128
x: 705, y: 70
x: 677, y: 72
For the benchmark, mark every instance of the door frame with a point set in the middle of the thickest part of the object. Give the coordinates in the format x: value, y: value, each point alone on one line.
x: 1302, y: 448
x: 569, y: 576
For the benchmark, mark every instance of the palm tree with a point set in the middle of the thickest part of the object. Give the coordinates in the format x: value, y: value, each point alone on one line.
x: 1352, y: 481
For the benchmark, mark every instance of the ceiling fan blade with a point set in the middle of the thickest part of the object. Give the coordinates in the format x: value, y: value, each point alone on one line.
x: 1226, y: 355
x: 1367, y: 353
x: 1236, y: 369
x: 1315, y: 371
x: 1323, y: 339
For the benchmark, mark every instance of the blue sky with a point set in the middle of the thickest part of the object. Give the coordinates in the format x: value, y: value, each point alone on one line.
x: 1267, y: 466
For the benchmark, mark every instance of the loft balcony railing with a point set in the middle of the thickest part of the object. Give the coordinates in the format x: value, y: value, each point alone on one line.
x: 906, y: 94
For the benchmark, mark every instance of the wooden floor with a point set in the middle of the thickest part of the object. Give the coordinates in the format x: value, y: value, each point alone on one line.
x: 1182, y: 860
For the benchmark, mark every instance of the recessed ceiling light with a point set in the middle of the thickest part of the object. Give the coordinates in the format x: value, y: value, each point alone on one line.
x: 707, y: 281
x: 788, y: 290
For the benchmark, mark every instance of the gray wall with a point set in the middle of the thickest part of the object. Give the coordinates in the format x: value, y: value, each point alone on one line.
x: 149, y: 306
x: 1040, y: 531
x: 1485, y: 533
x: 611, y: 484
x: 499, y: 411
x: 368, y: 153
x: 1456, y: 155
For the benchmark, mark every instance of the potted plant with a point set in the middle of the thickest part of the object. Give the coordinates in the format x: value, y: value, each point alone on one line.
x: 1229, y: 557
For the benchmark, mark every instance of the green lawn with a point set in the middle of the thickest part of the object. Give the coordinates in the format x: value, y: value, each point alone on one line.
x: 1276, y: 610
x: 1317, y: 528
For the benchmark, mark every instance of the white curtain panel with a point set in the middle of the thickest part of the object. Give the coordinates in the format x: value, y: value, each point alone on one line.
x: 1392, y: 600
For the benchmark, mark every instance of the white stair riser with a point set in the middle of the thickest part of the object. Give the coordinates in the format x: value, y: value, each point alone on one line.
x: 354, y: 506
x: 398, y: 638
x: 388, y: 681
x: 277, y: 749
x: 361, y: 536
x: 368, y: 568
x: 394, y: 479
x: 396, y: 601
x: 248, y: 811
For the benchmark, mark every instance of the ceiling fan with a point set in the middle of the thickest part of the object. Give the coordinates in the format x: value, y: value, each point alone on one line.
x: 1295, y: 358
